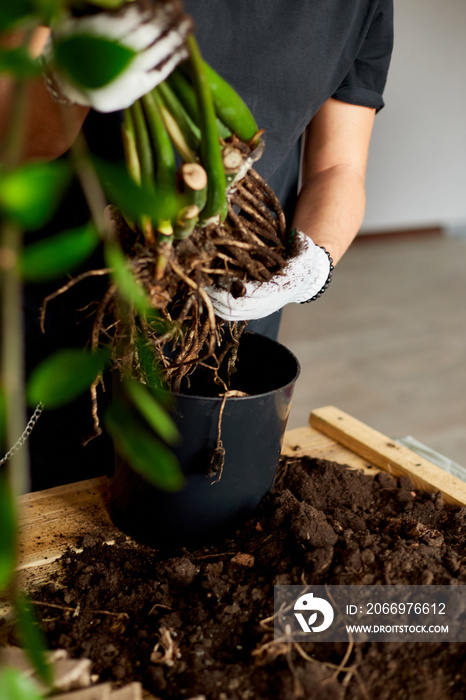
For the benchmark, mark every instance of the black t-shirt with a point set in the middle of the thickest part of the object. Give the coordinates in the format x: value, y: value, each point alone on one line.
x: 287, y: 58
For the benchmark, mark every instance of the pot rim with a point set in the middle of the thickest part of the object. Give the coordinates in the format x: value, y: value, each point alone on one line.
x: 251, y: 396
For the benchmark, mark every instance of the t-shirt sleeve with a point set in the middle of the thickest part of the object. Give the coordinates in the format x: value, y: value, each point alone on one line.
x: 365, y: 82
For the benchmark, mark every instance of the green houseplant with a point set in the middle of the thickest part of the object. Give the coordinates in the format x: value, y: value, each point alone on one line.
x: 187, y: 188
x: 190, y: 212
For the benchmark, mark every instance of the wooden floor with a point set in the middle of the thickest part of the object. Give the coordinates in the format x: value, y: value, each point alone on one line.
x: 387, y: 341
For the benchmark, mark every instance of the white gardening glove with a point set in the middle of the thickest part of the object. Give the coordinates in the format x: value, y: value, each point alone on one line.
x: 305, y: 277
x: 156, y: 31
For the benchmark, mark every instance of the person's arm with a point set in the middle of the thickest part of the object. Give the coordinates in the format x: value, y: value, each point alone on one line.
x: 328, y: 213
x: 331, y: 203
x: 49, y: 128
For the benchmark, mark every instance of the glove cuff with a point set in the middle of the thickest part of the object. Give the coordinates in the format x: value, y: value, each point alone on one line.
x: 327, y: 281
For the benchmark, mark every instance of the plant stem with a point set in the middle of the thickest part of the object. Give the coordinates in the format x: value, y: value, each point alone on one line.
x: 210, y: 145
x: 11, y: 310
x: 12, y: 363
x: 129, y: 145
x: 90, y: 184
x: 176, y: 135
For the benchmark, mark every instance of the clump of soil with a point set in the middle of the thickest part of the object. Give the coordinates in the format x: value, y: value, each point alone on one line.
x: 197, y: 623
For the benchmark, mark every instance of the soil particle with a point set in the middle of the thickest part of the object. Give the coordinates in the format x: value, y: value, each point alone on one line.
x: 198, y: 623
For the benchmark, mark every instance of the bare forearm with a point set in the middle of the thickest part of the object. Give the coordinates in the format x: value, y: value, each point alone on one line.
x: 330, y: 208
x: 48, y: 129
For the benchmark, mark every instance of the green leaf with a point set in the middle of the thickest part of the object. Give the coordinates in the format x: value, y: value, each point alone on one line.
x: 22, y: 14
x: 30, y: 193
x: 8, y: 533
x: 50, y: 11
x: 54, y: 256
x: 129, y: 288
x: 64, y: 375
x: 14, y: 685
x: 152, y: 411
x: 18, y: 62
x: 13, y: 12
x: 135, y: 200
x: 91, y: 61
x: 32, y: 638
x: 144, y: 452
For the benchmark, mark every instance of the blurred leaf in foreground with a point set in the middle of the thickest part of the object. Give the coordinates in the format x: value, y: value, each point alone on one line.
x: 14, y: 11
x: 155, y: 415
x: 65, y: 375
x: 14, y: 685
x: 91, y: 61
x: 18, y: 62
x: 144, y: 452
x: 135, y: 200
x: 32, y: 638
x: 8, y: 532
x: 56, y: 255
x: 130, y: 290
x: 30, y: 193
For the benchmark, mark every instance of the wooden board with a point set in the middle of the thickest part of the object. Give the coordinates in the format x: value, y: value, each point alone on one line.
x: 310, y: 441
x: 381, y: 451
x: 55, y: 519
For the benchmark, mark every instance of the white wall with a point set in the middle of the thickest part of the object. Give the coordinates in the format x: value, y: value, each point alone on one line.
x: 417, y: 164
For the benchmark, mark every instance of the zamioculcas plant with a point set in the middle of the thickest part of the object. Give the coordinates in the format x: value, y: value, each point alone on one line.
x: 192, y: 138
x: 186, y: 211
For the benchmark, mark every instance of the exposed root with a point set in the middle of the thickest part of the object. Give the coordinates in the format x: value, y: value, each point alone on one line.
x: 171, y: 650
x: 65, y: 288
x: 183, y: 331
x: 76, y: 611
x: 248, y: 245
x: 217, y: 459
x: 94, y: 411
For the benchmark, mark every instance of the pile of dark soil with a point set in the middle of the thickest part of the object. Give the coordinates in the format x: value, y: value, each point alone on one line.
x: 197, y: 623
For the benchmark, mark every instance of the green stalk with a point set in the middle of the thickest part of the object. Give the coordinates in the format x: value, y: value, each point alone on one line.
x: 186, y: 221
x: 143, y: 144
x: 192, y: 183
x: 90, y: 183
x: 189, y: 129
x: 161, y: 143
x: 176, y: 135
x: 165, y: 173
x: 186, y: 95
x: 12, y: 372
x: 144, y: 151
x: 230, y: 107
x: 211, y: 155
x: 129, y: 147
x: 12, y: 369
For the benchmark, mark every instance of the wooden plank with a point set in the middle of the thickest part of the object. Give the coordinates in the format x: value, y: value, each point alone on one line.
x: 380, y: 450
x: 308, y: 441
x: 55, y: 519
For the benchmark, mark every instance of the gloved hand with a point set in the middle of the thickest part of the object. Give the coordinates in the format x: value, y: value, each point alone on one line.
x: 305, y: 277
x: 155, y: 31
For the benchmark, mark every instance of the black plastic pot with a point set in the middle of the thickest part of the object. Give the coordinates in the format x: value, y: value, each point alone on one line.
x: 252, y: 429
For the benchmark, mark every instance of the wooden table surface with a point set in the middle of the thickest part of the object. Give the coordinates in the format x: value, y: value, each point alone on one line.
x: 57, y: 518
